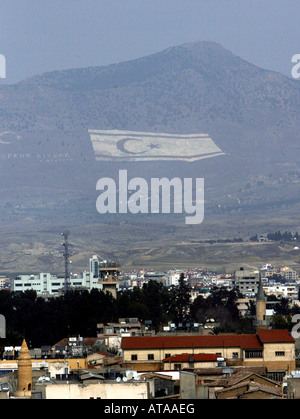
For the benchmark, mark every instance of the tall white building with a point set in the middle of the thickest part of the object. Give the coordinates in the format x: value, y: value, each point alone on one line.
x: 172, y: 278
x: 94, y: 265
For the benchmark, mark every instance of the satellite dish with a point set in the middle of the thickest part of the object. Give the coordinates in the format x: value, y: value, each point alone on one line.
x: 118, y: 380
x: 124, y: 379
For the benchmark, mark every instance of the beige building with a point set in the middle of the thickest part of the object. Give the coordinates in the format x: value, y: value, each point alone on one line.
x: 273, y: 349
x: 108, y: 278
x: 288, y: 273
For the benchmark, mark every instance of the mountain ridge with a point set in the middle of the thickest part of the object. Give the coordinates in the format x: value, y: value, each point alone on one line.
x: 251, y: 114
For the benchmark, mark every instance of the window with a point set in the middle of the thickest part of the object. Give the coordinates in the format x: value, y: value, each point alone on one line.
x: 177, y: 367
x: 279, y: 353
x: 150, y: 357
x: 167, y: 355
x: 253, y: 354
x: 134, y: 357
x: 235, y: 354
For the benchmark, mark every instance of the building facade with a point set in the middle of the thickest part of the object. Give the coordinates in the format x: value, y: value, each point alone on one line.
x: 247, y: 281
x: 273, y: 349
x: 45, y: 283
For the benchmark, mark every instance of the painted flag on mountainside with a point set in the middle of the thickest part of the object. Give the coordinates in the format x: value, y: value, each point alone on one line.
x: 118, y: 145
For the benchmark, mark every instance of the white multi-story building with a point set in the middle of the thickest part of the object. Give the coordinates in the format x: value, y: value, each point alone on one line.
x: 286, y: 291
x: 45, y: 283
x: 172, y: 278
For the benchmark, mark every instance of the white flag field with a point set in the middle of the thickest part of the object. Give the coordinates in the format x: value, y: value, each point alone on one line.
x: 115, y: 145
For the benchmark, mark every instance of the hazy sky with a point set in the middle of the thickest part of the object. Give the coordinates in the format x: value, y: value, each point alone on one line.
x: 44, y: 35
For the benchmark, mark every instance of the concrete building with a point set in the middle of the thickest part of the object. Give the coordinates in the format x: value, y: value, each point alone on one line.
x: 172, y: 278
x: 125, y: 327
x: 280, y: 290
x: 289, y: 274
x: 247, y: 281
x: 112, y: 390
x: 112, y: 333
x: 47, y: 284
x: 108, y: 277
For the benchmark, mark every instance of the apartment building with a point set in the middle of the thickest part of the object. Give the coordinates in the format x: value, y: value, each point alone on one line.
x: 289, y: 274
x: 247, y: 281
x: 285, y: 291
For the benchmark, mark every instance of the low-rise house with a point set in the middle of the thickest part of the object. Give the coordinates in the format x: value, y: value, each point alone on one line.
x: 187, y: 361
x: 112, y: 333
x: 243, y: 305
x: 249, y: 390
x: 224, y: 382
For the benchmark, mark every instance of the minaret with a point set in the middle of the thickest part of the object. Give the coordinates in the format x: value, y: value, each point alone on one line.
x: 24, y: 372
x: 261, y: 300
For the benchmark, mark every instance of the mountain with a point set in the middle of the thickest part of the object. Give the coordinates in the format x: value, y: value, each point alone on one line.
x: 48, y: 167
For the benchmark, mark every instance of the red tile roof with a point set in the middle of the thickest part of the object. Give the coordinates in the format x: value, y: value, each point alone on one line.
x: 206, y: 341
x: 196, y: 358
x: 276, y: 335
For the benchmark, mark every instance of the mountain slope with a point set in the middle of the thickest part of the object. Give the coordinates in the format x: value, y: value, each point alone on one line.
x: 251, y: 114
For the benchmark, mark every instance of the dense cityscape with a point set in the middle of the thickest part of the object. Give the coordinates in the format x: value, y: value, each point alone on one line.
x: 179, y: 334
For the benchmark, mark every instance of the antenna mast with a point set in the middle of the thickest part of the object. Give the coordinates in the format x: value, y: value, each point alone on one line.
x: 66, y: 254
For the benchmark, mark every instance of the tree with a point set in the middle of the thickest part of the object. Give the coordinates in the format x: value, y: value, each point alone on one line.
x: 181, y: 301
x: 282, y: 307
x: 280, y: 321
x: 158, y: 301
x: 219, y: 305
